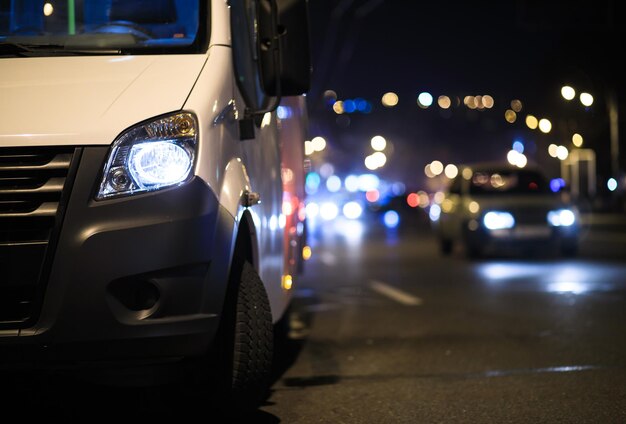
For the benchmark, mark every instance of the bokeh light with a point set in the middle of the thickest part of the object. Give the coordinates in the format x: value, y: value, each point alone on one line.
x: 611, y: 184
x: 326, y: 170
x: 413, y: 200
x: 308, y: 148
x: 436, y: 167
x: 451, y: 171
x: 333, y: 184
x: 378, y: 142
x: 352, y: 210
x: 429, y: 173
x: 473, y: 207
x: 349, y: 106
x: 368, y: 182
x: 488, y: 101
x: 48, y: 9
x: 444, y: 102
x: 568, y: 92
x: 338, y: 107
x: 552, y: 149
x: 391, y: 219
x: 390, y: 99
x: 562, y: 153
x: 516, y: 105
x: 372, y: 196
x: 312, y: 182
x: 312, y: 210
x: 586, y: 99
x: 425, y: 100
x: 329, y: 211
x: 532, y: 122
x: 351, y: 183
x: 545, y: 126
x: 318, y: 143
x: 577, y: 139
x: 510, y: 116
x: 424, y: 199
x: 434, y: 212
x: 516, y: 158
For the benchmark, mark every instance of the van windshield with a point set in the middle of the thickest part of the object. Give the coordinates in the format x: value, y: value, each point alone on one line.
x: 39, y: 28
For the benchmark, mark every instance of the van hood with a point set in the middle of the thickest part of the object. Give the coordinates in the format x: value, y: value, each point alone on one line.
x: 88, y: 100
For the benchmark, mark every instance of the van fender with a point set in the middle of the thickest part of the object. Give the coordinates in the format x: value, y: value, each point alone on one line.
x: 234, y: 185
x: 234, y: 198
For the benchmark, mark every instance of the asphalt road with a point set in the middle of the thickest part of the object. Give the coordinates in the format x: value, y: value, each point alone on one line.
x: 389, y: 331
x: 386, y: 330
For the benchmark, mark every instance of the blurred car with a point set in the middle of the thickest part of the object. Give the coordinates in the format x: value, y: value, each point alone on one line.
x: 494, y: 207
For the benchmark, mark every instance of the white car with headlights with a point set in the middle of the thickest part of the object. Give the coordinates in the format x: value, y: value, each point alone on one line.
x: 491, y: 207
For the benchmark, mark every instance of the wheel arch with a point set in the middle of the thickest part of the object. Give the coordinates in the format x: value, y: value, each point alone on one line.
x: 246, y: 244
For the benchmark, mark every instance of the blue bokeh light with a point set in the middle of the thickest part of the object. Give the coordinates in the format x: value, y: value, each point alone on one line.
x: 349, y: 106
x: 391, y: 219
x: 557, y: 184
x: 312, y: 182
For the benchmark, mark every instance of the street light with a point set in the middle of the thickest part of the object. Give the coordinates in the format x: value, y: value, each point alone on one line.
x: 545, y: 125
x: 568, y: 92
x: 612, y: 108
x: 577, y: 140
x: 586, y: 99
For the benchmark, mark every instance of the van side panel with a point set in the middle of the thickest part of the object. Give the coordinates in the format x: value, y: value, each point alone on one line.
x: 231, y: 166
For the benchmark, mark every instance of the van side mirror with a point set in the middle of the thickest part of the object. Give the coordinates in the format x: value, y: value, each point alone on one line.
x: 271, y: 51
x: 290, y: 75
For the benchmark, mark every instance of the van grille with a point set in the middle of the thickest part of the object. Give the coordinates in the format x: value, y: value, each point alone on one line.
x: 33, y: 186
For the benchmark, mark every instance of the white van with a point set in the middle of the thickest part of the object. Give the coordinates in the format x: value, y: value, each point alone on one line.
x: 140, y: 182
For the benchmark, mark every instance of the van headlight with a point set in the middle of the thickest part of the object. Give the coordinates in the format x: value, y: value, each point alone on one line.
x: 152, y: 155
x: 561, y: 218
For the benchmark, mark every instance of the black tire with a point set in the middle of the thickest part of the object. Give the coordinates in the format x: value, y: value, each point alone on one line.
x: 245, y: 345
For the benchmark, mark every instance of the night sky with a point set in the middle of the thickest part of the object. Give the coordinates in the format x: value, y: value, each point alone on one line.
x: 522, y: 50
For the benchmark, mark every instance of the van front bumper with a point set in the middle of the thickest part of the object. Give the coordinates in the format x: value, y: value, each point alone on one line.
x: 135, y: 278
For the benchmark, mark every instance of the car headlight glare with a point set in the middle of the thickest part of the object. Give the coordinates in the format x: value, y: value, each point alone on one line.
x: 151, y: 156
x: 561, y: 218
x: 496, y: 220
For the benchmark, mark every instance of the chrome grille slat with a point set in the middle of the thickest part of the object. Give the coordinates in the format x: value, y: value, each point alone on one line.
x: 32, y: 181
x: 44, y: 209
x: 60, y: 161
x: 53, y: 185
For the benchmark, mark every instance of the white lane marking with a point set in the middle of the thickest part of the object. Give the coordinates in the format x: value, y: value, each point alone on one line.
x: 395, y: 294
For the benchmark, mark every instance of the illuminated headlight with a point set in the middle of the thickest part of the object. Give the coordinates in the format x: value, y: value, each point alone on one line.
x: 150, y: 156
x: 561, y: 218
x: 496, y: 220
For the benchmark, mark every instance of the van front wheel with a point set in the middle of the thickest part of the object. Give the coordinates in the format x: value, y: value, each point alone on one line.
x: 245, y: 338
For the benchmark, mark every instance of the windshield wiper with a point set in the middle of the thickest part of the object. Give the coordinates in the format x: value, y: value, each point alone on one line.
x: 30, y: 50
x: 14, y: 49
